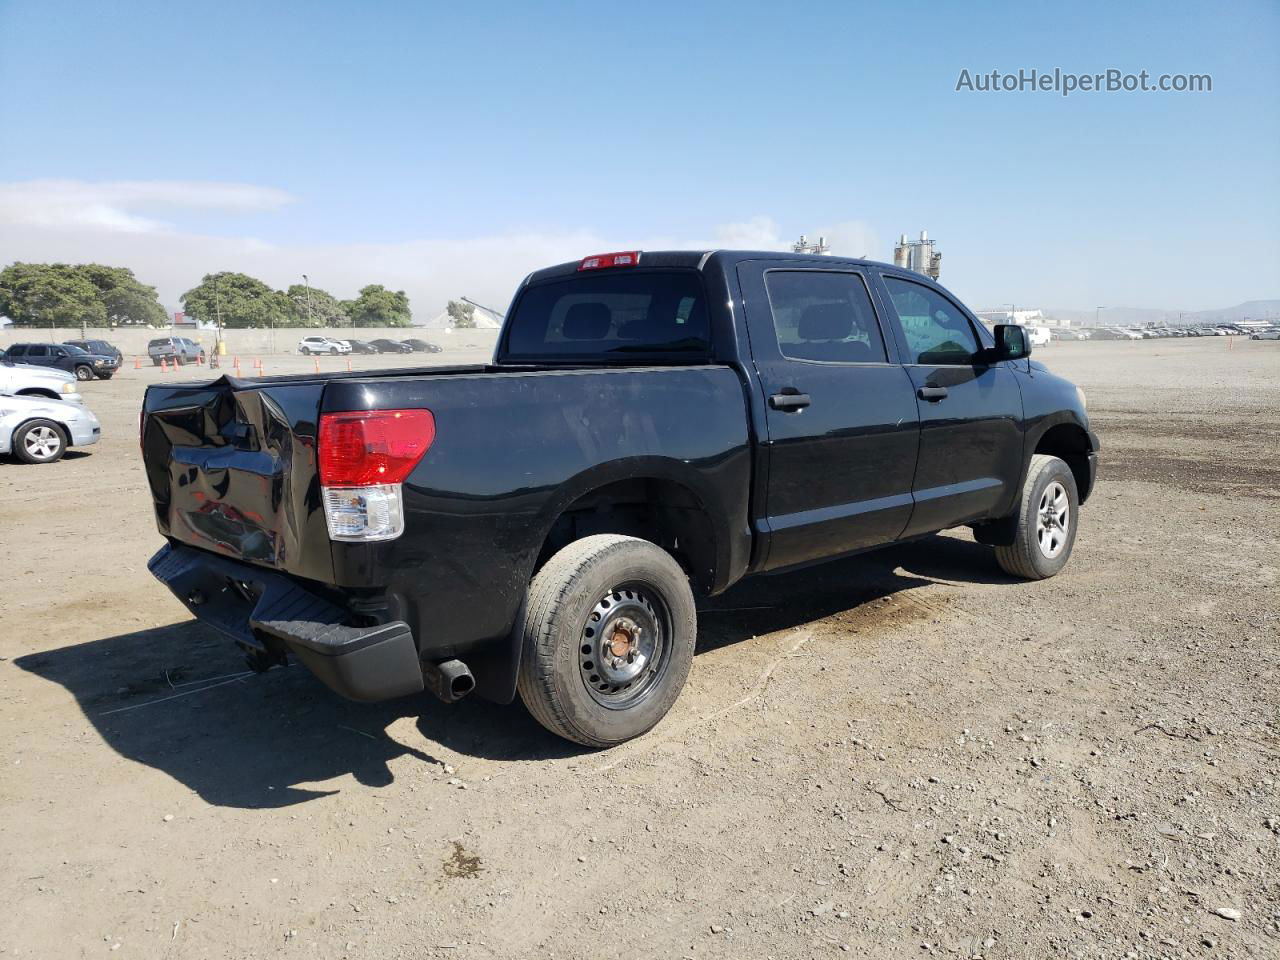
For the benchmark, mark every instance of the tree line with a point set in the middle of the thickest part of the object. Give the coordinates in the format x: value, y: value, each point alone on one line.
x: 68, y: 295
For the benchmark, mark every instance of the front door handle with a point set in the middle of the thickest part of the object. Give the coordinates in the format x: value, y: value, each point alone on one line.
x: 789, y: 402
x: 932, y: 394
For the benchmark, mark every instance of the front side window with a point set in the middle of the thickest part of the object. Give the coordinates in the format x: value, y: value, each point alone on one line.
x: 824, y: 316
x: 937, y: 332
x: 617, y: 315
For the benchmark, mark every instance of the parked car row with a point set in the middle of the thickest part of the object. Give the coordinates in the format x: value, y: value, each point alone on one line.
x: 314, y: 345
x: 1041, y: 335
x: 80, y: 363
x: 41, y: 413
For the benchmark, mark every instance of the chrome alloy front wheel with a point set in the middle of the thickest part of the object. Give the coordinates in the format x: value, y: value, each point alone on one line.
x: 1053, y: 519
x: 42, y: 443
x: 625, y: 642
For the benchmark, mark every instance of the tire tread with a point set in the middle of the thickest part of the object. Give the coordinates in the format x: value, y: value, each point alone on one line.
x: 1016, y: 558
x: 551, y: 589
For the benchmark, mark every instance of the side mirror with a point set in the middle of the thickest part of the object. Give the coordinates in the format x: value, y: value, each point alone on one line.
x: 1012, y: 342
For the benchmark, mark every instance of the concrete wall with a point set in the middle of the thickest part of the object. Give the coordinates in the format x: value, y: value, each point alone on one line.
x: 132, y: 341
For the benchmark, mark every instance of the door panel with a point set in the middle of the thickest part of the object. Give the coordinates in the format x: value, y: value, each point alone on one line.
x: 842, y: 434
x: 970, y: 445
x: 971, y: 437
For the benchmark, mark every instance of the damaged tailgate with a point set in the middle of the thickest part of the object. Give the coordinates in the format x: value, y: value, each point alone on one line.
x: 232, y: 469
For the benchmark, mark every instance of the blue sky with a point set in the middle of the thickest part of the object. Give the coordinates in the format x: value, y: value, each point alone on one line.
x: 447, y: 149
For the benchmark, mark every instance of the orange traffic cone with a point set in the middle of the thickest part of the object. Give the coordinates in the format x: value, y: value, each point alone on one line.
x: 348, y: 364
x: 164, y: 365
x: 317, y: 364
x: 137, y: 363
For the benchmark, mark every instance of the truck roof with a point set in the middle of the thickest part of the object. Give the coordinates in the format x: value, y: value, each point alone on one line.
x: 699, y: 258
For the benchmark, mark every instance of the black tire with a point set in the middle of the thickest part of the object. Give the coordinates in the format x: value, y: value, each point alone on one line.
x: 25, y: 452
x: 562, y: 641
x: 84, y: 373
x: 333, y: 351
x: 1026, y: 557
x: 155, y: 361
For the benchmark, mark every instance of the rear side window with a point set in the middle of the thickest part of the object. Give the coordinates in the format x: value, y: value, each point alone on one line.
x: 936, y: 330
x: 824, y: 316
x: 18, y: 350
x: 621, y: 315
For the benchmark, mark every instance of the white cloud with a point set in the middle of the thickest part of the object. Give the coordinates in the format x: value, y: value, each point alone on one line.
x: 758, y: 233
x: 119, y: 207
x: 75, y: 222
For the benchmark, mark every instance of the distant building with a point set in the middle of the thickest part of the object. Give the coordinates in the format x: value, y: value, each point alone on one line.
x: 1026, y: 318
x: 803, y: 245
x: 918, y: 255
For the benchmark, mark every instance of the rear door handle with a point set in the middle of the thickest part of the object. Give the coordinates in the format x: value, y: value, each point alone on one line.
x: 932, y: 394
x: 789, y: 402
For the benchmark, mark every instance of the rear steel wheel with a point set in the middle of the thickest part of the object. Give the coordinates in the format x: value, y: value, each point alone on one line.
x: 609, y: 630
x: 624, y: 645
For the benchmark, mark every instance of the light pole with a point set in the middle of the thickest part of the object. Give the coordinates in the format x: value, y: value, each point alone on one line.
x: 217, y: 311
x: 1097, y: 316
x: 307, y: 283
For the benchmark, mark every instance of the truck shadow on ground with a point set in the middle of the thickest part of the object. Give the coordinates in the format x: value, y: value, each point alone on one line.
x: 178, y: 698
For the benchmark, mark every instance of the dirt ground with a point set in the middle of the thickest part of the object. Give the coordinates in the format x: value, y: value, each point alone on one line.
x: 906, y: 754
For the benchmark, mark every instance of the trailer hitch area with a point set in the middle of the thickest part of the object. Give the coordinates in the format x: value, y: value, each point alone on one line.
x: 262, y: 659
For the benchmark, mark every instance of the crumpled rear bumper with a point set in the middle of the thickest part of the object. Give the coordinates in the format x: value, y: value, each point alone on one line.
x: 267, y: 613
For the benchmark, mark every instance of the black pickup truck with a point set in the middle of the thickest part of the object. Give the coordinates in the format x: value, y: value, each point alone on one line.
x: 653, y: 427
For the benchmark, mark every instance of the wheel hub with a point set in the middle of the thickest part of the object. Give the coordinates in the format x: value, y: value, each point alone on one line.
x: 623, y: 646
x: 1053, y: 519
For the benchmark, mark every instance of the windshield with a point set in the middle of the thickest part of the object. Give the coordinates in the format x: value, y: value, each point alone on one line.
x: 617, y: 315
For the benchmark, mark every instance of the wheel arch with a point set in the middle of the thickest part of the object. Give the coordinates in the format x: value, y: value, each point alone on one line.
x: 30, y: 421
x: 655, y: 498
x: 1070, y: 442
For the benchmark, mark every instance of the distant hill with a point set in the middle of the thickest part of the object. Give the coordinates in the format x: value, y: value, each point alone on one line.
x: 1125, y: 316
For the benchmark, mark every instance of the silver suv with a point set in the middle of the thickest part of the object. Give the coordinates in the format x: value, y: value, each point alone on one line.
x: 179, y: 350
x: 310, y: 345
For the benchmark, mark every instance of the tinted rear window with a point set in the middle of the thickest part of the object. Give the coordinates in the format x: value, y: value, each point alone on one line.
x: 159, y: 343
x: 618, y: 315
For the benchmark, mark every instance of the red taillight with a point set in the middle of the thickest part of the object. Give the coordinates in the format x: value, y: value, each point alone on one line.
x: 368, y: 447
x: 602, y: 261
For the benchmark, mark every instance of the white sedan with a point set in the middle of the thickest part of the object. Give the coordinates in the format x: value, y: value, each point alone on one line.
x: 23, y: 380
x: 39, y: 430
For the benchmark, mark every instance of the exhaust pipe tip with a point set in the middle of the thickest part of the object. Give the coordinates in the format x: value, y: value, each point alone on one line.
x: 450, y: 680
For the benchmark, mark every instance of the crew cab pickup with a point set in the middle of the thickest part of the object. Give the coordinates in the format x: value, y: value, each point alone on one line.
x: 653, y: 427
